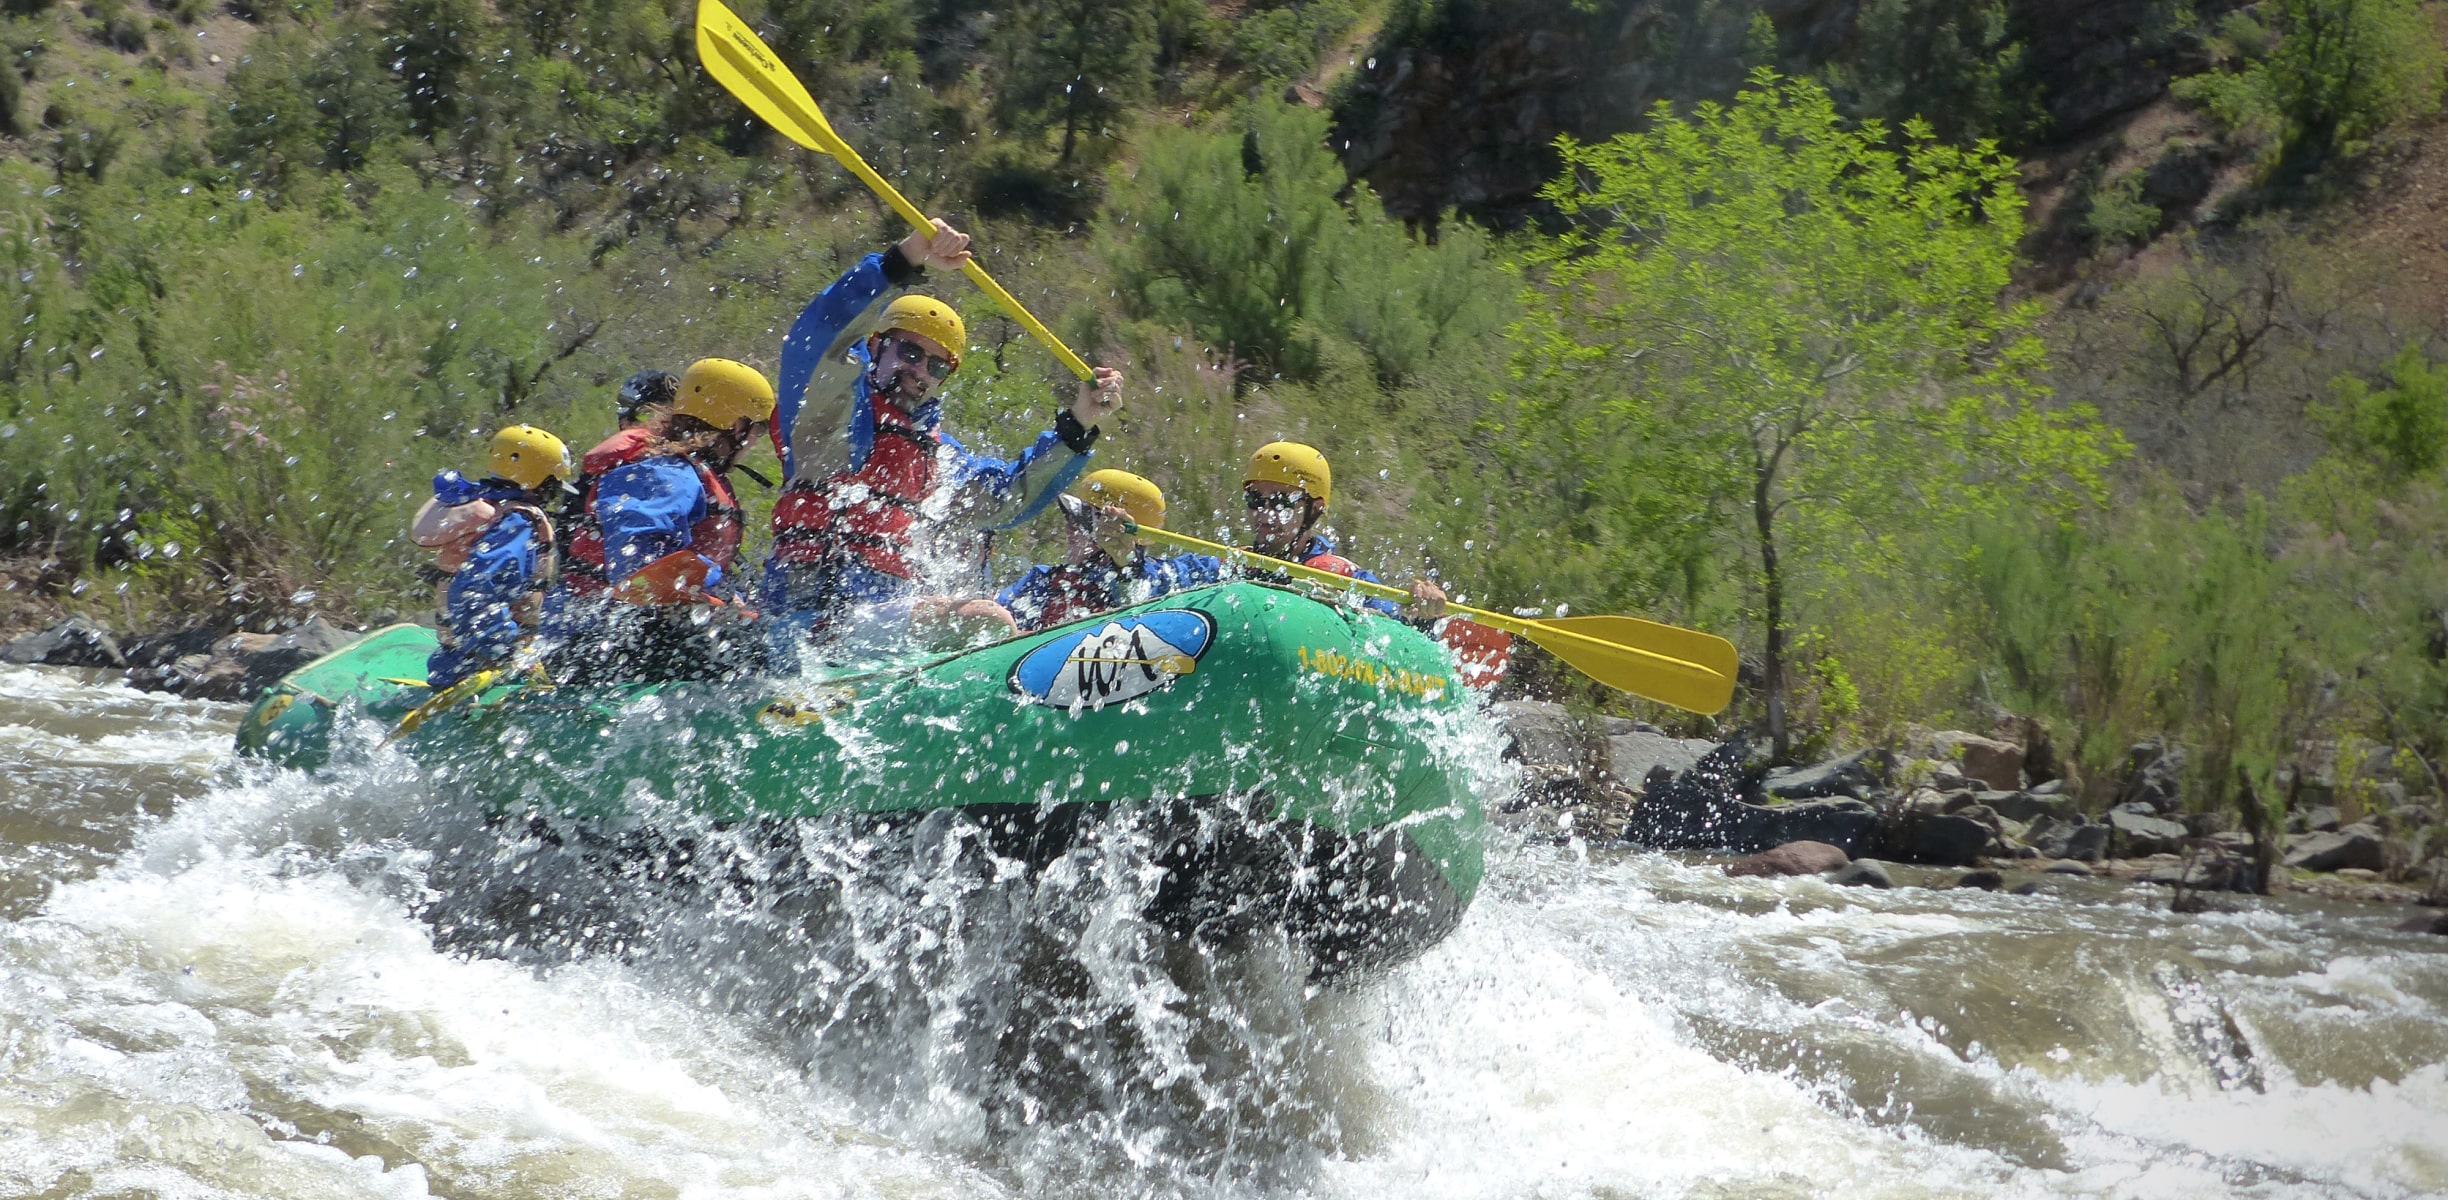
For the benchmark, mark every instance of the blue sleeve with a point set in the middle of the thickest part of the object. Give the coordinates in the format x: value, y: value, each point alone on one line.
x: 645, y: 509
x: 1387, y: 607
x: 1003, y: 477
x: 823, y: 321
x: 1182, y: 572
x: 501, y: 567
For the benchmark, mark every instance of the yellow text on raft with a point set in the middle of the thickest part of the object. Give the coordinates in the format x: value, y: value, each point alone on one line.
x: 1338, y: 665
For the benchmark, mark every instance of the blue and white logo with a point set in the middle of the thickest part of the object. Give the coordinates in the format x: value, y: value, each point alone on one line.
x: 1116, y: 661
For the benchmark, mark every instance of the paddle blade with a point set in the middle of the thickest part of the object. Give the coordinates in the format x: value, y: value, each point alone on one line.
x: 749, y: 69
x: 1688, y: 669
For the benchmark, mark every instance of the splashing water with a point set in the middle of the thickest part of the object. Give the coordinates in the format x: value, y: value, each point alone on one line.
x: 220, y: 982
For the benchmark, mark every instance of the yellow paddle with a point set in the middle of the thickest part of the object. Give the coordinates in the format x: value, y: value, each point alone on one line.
x: 1682, y: 667
x: 741, y: 61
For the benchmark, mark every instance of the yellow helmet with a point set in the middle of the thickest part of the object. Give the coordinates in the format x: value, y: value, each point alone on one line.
x: 1133, y: 494
x: 928, y: 317
x: 1293, y: 465
x: 527, y: 456
x: 719, y: 392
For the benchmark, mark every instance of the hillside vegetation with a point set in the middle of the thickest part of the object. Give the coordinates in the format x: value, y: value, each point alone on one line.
x: 1756, y: 360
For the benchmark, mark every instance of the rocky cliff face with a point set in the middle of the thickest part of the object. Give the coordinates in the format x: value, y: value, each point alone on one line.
x: 1459, y: 104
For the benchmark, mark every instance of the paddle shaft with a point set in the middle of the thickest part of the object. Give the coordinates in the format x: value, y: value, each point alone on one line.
x: 1510, y: 624
x: 765, y: 82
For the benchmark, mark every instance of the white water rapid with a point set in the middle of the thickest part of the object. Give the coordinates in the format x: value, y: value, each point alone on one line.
x: 217, y: 980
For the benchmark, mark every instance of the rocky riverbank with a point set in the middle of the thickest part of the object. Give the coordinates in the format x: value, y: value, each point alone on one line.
x: 201, y: 662
x: 1982, y: 804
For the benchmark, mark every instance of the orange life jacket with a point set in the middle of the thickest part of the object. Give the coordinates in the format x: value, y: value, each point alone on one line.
x: 866, y: 513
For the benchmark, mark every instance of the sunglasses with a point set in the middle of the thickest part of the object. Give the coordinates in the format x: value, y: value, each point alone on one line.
x: 910, y: 353
x: 1286, y: 501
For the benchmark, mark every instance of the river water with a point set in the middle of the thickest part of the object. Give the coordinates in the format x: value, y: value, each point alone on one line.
x: 217, y: 981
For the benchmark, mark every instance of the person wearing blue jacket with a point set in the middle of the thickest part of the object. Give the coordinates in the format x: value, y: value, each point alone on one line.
x: 669, y: 529
x: 492, y: 602
x: 872, y: 476
x: 1105, y: 566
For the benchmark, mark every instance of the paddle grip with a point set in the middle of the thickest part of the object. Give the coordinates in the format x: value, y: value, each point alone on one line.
x: 976, y: 272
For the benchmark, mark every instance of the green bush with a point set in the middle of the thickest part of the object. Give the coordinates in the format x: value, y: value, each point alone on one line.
x: 1242, y: 238
x: 2118, y: 215
x: 2338, y: 72
x: 1287, y: 41
x: 2401, y: 428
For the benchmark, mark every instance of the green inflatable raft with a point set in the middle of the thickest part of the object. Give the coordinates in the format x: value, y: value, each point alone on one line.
x: 1304, y: 764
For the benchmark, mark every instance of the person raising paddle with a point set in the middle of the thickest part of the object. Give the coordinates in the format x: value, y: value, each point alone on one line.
x: 869, y: 467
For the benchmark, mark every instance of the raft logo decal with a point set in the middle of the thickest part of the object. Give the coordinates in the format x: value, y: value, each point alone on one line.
x: 1334, y: 664
x: 1116, y: 661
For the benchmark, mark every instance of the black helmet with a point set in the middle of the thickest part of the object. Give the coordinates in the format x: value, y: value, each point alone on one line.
x: 644, y: 388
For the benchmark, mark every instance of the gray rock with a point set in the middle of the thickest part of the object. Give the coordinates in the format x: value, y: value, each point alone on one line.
x: 1633, y: 757
x: 2053, y: 787
x: 2323, y: 819
x: 2028, y: 805
x: 212, y: 677
x: 2028, y: 889
x: 2355, y: 846
x: 2137, y: 834
x: 1997, y: 764
x: 75, y: 642
x: 2206, y: 873
x: 1947, y: 840
x: 1702, y: 809
x: 2067, y: 866
x: 1792, y: 858
x: 2154, y: 775
x: 2435, y: 923
x: 1950, y: 779
x: 2080, y: 842
x: 1541, y: 734
x: 296, y: 648
x: 1987, y: 881
x: 1855, y: 775
x: 1862, y: 872
x: 169, y: 646
x: 1850, y: 824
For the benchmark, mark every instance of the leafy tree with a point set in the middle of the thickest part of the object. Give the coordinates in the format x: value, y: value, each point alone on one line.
x: 433, y: 43
x: 2338, y: 72
x: 2403, y: 428
x: 1076, y: 65
x: 1241, y: 235
x: 1955, y: 60
x: 1804, y: 327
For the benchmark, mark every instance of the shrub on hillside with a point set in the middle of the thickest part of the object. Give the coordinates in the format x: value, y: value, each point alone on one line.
x: 2337, y: 72
x: 1242, y: 236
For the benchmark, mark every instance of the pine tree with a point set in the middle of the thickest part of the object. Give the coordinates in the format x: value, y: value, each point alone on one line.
x: 1074, y: 64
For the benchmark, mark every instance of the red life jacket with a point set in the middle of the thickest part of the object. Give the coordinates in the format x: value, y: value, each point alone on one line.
x: 866, y: 513
x: 717, y: 536
x: 1335, y: 563
x: 1074, y: 592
